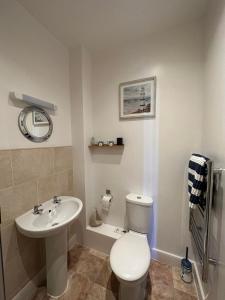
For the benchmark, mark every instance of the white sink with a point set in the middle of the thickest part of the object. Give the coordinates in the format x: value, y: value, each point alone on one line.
x: 52, y: 224
x: 53, y: 218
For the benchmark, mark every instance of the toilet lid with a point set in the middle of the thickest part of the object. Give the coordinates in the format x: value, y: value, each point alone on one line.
x: 130, y: 256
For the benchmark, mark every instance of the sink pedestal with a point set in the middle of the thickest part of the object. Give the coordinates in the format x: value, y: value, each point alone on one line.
x: 56, y: 263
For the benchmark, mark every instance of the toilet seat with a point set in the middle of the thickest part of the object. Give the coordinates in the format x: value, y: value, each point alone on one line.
x: 130, y: 256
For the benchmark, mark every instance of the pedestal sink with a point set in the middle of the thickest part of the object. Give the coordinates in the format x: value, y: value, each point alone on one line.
x: 51, y: 222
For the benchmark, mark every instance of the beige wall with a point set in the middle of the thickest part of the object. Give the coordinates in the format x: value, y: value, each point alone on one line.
x: 31, y: 176
x: 32, y: 62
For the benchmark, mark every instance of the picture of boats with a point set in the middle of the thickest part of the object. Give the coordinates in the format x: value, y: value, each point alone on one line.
x: 137, y: 98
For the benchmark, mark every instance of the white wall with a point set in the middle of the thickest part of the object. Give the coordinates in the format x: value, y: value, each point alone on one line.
x: 33, y: 62
x: 81, y: 109
x: 214, y: 135
x: 87, y: 86
x: 133, y: 169
x: 157, y: 150
x: 77, y: 115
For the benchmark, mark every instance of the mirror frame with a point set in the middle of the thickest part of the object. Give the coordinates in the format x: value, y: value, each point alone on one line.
x: 23, y: 127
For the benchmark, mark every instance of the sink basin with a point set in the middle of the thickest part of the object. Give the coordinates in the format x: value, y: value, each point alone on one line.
x: 53, y: 218
x: 52, y: 224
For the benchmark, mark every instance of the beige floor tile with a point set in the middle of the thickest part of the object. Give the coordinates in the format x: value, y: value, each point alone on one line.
x: 91, y: 278
x: 176, y: 273
x: 98, y: 254
x: 179, y: 295
x: 80, y: 287
x: 161, y: 291
x: 41, y: 294
x: 107, y: 278
x: 68, y: 295
x: 97, y: 292
x: 77, y: 253
x: 81, y: 261
x: 160, y: 274
x: 180, y: 285
x: 90, y: 266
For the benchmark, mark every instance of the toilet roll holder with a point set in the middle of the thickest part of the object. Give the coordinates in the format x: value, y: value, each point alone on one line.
x: 108, y: 194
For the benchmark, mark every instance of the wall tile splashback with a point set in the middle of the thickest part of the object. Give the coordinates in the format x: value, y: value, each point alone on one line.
x: 28, y: 177
x: 5, y: 169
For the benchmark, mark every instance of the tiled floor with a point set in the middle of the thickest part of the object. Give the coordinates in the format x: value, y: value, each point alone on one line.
x: 91, y: 278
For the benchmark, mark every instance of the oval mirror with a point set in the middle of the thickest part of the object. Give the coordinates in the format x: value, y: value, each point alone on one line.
x: 35, y: 124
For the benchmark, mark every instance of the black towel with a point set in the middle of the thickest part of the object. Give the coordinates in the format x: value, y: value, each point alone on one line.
x: 196, y: 178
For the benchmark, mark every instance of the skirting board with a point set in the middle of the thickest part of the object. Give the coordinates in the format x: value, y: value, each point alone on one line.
x: 166, y: 257
x: 30, y: 289
x: 174, y: 260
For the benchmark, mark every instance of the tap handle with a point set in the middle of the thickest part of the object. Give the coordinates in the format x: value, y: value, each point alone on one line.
x: 56, y: 199
x: 37, y: 206
x: 37, y: 210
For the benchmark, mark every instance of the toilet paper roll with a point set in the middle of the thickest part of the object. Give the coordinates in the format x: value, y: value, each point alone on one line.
x: 106, y: 202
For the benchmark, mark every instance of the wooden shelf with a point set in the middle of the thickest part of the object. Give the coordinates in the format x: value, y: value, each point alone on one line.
x: 105, y: 146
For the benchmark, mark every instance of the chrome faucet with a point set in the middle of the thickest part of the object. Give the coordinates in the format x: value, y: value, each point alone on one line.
x: 56, y: 200
x: 37, y: 210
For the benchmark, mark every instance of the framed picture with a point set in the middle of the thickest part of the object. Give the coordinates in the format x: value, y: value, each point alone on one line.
x: 39, y: 119
x: 137, y: 98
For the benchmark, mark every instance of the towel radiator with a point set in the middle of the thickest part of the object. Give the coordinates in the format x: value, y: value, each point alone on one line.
x: 200, y: 223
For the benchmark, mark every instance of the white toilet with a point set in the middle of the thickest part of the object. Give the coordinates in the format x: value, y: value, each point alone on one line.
x: 130, y: 255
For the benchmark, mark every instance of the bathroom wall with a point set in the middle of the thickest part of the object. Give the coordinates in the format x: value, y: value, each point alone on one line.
x: 157, y: 150
x: 82, y: 130
x: 77, y: 111
x: 33, y: 62
x: 31, y: 176
x: 214, y: 136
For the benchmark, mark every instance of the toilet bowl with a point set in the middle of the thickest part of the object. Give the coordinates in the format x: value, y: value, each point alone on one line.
x: 130, y: 255
x: 130, y: 260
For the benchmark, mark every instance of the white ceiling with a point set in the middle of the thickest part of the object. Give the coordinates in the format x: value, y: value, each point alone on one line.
x: 104, y: 23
